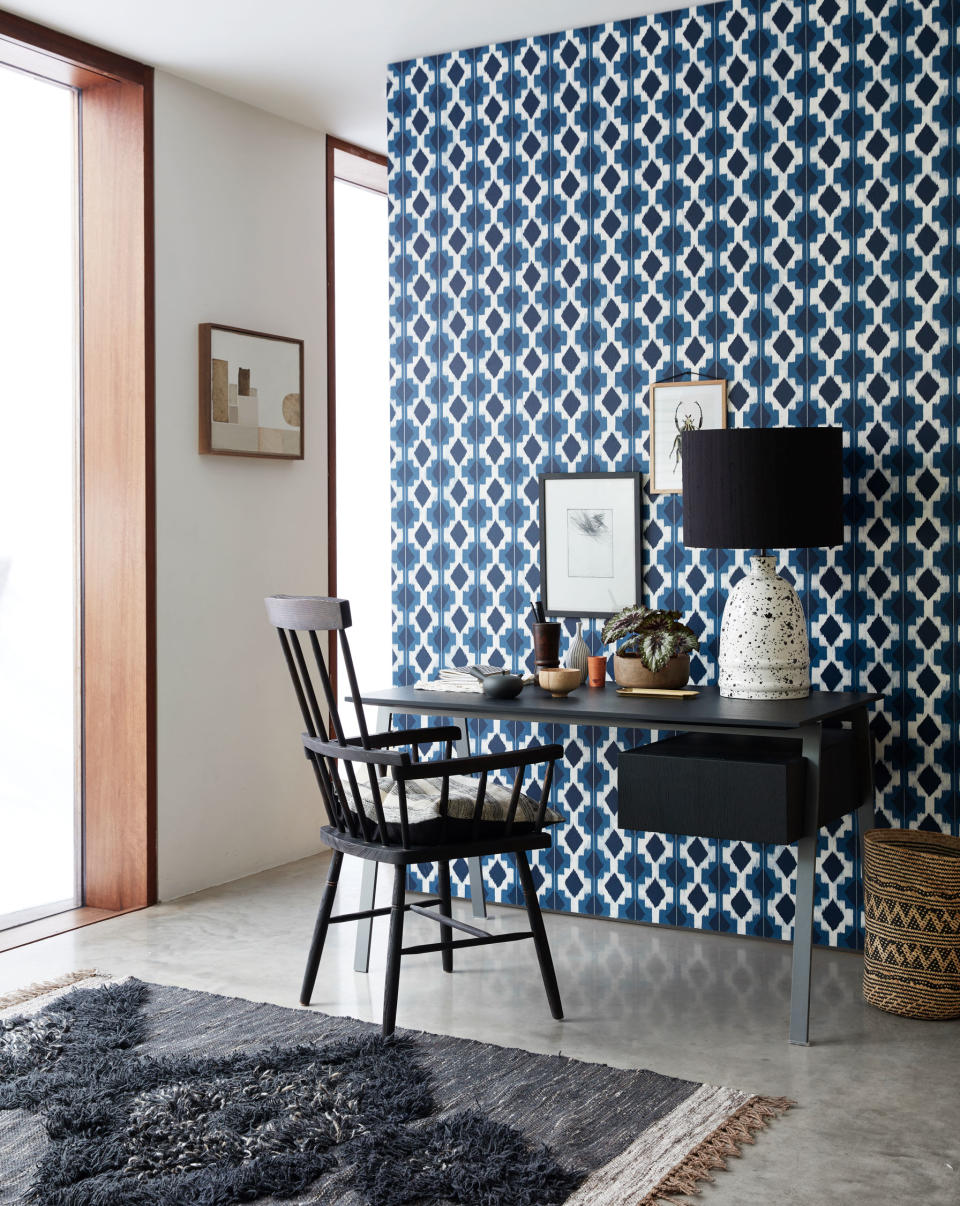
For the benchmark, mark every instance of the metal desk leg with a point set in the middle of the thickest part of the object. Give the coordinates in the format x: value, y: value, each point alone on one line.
x: 368, y: 883
x: 477, y: 893
x: 866, y: 813
x: 368, y: 893
x: 806, y: 876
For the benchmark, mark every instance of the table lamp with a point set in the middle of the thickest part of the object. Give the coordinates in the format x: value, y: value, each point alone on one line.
x: 763, y: 488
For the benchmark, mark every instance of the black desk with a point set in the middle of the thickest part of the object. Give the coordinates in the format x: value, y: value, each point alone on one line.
x: 707, y: 712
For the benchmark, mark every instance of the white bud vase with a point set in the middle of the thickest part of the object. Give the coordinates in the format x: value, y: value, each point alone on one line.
x: 578, y: 653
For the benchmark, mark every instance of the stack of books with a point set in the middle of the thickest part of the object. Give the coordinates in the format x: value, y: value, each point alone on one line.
x: 457, y: 679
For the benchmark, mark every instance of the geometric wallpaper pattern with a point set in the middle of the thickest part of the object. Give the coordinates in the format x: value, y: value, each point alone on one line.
x: 760, y: 191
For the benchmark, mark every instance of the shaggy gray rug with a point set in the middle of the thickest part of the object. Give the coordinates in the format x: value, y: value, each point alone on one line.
x: 119, y: 1093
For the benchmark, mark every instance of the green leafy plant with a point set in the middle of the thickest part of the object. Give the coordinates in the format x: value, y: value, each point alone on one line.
x: 654, y: 636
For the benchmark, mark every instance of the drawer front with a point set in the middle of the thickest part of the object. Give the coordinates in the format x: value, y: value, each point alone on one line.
x: 732, y: 788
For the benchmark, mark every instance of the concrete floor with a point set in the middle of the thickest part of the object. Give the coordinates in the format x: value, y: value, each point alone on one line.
x: 879, y: 1097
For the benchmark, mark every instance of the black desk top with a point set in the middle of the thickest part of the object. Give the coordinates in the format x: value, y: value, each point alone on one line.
x: 605, y: 708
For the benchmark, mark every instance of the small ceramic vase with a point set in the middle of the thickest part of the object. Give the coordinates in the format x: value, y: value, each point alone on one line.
x: 578, y: 653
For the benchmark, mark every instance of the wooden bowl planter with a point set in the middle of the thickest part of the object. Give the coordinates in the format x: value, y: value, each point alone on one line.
x: 631, y: 672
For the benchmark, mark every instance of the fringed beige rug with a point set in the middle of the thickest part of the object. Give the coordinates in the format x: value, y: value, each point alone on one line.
x: 119, y: 1093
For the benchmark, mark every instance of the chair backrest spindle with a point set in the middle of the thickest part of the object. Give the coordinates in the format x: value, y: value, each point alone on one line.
x: 354, y: 690
x: 338, y: 724
x: 478, y: 806
x: 350, y: 822
x: 404, y: 820
x: 305, y: 711
x: 358, y: 809
x: 514, y: 799
x: 545, y: 795
x: 311, y: 718
x: 311, y: 694
x: 292, y: 614
x: 327, y: 688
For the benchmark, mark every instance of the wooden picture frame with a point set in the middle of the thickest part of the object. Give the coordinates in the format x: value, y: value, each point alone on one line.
x: 235, y: 418
x: 586, y: 571
x: 702, y: 403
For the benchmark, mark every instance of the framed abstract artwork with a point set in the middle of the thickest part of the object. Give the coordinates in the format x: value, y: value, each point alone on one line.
x: 589, y: 543
x: 676, y: 407
x: 251, y: 393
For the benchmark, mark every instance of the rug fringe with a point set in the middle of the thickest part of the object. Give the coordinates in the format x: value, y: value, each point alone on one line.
x: 713, y: 1152
x: 21, y: 995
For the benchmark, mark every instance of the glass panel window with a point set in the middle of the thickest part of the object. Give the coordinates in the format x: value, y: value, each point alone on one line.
x: 363, y: 432
x: 39, y: 596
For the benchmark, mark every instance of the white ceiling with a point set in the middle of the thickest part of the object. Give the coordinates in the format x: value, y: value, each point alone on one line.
x: 313, y: 61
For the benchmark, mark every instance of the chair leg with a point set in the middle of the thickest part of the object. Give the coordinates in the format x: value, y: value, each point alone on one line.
x: 446, y: 935
x: 320, y: 929
x: 392, y: 983
x: 539, y: 934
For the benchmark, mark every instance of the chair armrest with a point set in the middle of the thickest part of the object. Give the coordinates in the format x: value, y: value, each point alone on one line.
x: 355, y: 753
x: 510, y: 759
x: 380, y: 741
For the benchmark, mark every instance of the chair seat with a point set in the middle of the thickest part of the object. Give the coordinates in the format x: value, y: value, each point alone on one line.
x: 426, y: 826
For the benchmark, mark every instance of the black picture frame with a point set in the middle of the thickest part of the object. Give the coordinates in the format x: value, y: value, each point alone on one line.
x: 584, y: 602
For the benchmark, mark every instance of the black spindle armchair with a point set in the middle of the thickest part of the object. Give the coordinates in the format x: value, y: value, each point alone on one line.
x: 422, y: 811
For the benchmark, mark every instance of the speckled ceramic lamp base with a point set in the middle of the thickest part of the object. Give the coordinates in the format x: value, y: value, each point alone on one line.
x: 764, y: 653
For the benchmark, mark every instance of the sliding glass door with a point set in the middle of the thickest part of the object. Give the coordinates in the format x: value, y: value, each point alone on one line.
x: 39, y: 522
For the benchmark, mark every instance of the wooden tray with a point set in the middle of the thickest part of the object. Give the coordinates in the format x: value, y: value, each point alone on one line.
x: 660, y: 692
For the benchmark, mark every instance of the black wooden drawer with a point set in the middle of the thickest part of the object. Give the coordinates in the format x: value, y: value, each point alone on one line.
x: 746, y: 788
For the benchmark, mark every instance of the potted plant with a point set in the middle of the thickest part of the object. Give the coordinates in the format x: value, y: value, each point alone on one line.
x: 656, y: 647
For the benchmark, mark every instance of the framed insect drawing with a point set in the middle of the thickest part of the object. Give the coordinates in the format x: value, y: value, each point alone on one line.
x: 676, y: 407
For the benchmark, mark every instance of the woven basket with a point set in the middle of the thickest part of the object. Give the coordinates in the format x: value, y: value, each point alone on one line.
x: 911, y: 955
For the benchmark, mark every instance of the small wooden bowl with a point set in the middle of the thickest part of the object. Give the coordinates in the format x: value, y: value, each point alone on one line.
x: 560, y: 682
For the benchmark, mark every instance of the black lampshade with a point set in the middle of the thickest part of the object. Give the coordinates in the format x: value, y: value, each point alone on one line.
x: 770, y: 488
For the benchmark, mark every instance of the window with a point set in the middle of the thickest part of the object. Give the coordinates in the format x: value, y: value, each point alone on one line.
x: 359, y: 404
x: 113, y: 471
x: 39, y: 680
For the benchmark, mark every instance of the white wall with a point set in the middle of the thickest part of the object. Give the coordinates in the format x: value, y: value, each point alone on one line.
x: 239, y: 241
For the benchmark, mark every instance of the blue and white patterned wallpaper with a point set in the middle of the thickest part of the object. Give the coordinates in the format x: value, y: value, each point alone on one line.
x: 763, y: 191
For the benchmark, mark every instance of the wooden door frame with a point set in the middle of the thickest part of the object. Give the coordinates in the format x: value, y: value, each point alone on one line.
x: 117, y: 481
x: 349, y: 148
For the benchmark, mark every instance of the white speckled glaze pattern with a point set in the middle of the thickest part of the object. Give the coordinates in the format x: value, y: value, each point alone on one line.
x: 764, y: 651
